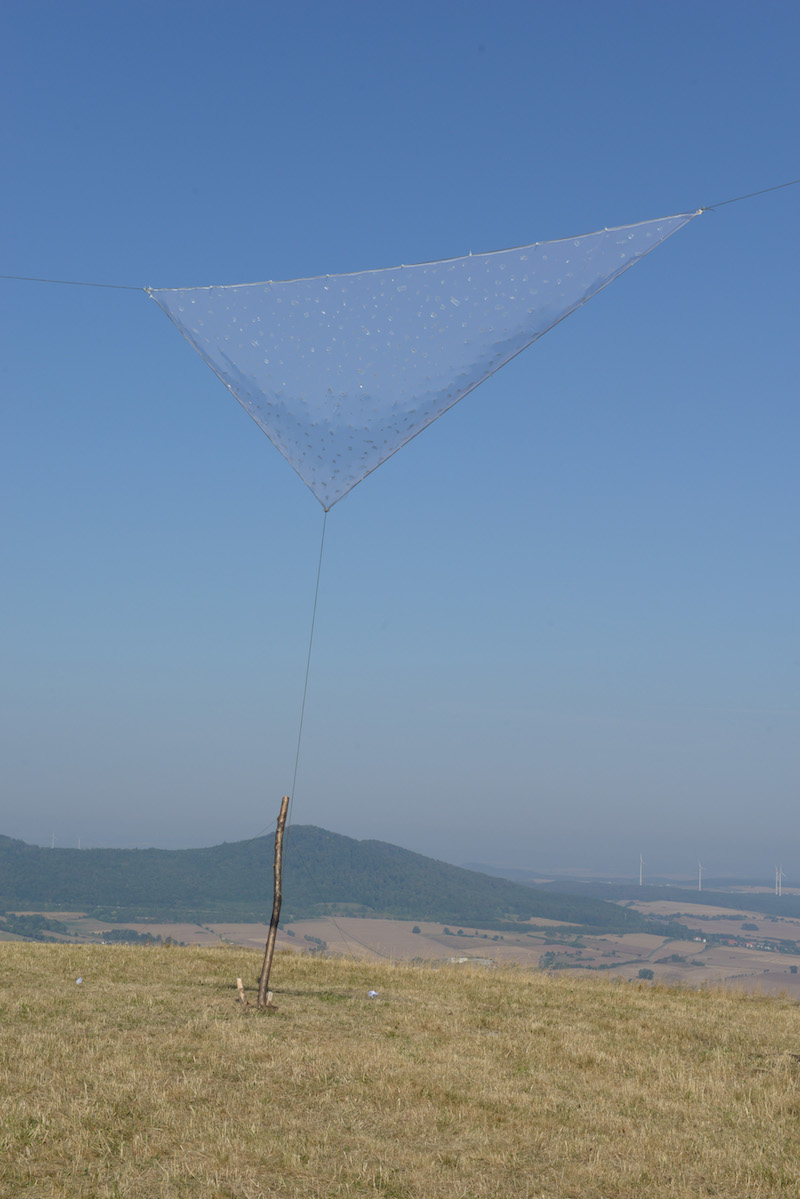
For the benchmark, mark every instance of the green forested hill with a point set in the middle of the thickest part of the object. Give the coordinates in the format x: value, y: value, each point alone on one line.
x: 324, y: 872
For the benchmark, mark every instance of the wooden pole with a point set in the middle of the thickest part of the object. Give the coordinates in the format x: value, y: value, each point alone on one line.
x: 276, y: 905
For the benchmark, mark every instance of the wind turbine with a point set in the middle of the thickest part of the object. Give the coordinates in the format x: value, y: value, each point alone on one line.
x: 699, y: 876
x: 641, y: 863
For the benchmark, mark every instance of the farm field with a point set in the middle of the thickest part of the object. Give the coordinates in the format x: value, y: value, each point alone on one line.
x: 741, y: 965
x: 148, y: 1077
x: 689, y: 963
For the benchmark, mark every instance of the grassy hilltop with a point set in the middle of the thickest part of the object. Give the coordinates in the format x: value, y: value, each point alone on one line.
x: 148, y: 1078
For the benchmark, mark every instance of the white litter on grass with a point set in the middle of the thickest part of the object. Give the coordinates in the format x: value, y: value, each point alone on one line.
x: 79, y: 981
x: 372, y: 994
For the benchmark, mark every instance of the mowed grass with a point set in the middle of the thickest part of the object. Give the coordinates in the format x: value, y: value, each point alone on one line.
x: 149, y: 1079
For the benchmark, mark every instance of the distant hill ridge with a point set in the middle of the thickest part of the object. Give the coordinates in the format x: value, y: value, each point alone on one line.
x: 738, y: 894
x: 743, y: 900
x: 324, y: 873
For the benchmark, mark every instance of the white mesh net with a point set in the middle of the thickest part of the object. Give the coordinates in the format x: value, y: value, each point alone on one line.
x: 341, y: 371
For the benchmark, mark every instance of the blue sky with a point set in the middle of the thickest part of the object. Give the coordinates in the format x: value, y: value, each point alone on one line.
x: 559, y: 629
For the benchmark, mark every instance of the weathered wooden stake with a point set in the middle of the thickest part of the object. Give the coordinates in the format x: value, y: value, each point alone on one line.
x: 263, y: 998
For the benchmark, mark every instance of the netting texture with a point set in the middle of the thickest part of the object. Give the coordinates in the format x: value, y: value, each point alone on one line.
x: 341, y: 371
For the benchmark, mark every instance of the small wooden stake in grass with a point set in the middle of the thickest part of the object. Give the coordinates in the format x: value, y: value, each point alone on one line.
x: 263, y: 999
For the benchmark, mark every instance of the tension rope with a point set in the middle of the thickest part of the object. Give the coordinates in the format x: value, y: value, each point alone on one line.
x: 131, y: 287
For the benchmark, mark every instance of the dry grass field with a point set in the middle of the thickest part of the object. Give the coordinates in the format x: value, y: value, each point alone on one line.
x: 149, y: 1079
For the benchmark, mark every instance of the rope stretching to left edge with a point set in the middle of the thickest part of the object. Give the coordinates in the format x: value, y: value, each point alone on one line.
x: 128, y: 287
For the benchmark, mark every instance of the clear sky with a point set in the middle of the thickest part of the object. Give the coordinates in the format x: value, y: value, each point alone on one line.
x: 559, y: 629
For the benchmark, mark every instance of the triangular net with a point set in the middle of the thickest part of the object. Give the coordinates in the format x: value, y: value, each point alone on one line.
x: 341, y: 371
